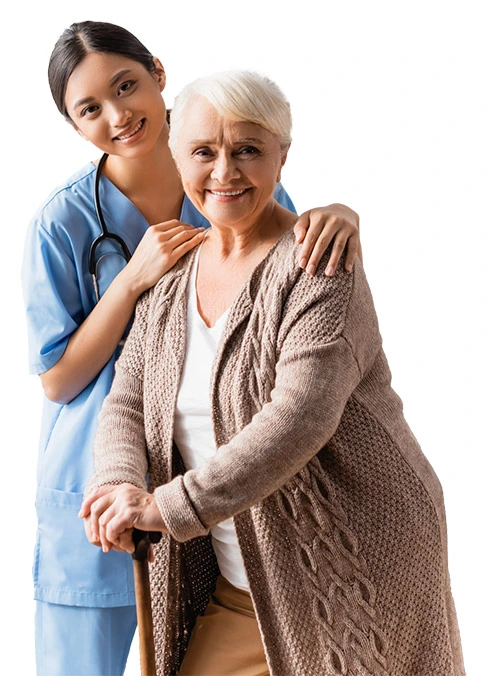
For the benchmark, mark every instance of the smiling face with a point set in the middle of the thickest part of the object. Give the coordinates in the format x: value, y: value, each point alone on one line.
x: 229, y: 169
x: 115, y: 103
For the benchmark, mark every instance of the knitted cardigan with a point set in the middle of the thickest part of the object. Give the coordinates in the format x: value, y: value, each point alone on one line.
x: 339, y: 515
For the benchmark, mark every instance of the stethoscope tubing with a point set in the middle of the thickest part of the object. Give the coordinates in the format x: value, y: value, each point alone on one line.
x: 104, y: 232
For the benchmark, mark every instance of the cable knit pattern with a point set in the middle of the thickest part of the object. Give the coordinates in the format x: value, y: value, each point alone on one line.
x: 339, y: 515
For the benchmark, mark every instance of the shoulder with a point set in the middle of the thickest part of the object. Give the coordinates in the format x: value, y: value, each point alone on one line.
x: 282, y: 267
x: 67, y: 205
x: 340, y: 305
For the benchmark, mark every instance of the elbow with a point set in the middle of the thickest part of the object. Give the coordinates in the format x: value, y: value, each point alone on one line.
x: 54, y: 390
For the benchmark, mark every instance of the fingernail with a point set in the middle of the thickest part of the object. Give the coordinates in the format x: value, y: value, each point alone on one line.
x: 329, y: 271
x: 299, y: 236
x: 303, y: 263
x: 348, y: 267
x: 311, y: 269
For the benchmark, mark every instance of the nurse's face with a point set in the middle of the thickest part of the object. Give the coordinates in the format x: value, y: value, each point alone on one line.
x: 115, y: 103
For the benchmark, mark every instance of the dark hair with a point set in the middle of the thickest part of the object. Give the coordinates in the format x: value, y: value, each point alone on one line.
x: 90, y: 36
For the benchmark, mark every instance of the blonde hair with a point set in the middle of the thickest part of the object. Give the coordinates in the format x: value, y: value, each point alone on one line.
x: 241, y: 96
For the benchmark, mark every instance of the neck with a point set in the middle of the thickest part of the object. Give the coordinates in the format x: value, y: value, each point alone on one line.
x: 156, y: 168
x: 242, y: 240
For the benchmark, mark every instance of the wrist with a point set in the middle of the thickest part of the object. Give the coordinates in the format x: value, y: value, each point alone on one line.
x: 154, y: 520
x: 130, y: 284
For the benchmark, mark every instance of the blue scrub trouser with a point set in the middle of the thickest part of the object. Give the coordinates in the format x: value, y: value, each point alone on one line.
x: 78, y: 641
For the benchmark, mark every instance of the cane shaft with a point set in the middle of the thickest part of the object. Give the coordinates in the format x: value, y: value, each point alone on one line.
x: 144, y: 617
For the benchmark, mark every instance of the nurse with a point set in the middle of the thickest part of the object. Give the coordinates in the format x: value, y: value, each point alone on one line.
x: 109, y: 87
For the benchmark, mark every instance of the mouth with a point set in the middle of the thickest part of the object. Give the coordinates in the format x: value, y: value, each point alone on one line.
x: 130, y: 133
x: 228, y: 193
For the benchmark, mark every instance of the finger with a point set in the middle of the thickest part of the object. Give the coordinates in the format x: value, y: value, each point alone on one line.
x: 170, y: 225
x: 118, y: 530
x: 157, y: 236
x: 336, y: 254
x: 126, y: 543
x: 352, y: 252
x: 317, y: 252
x: 98, y: 509
x: 301, y: 226
x: 184, y: 248
x: 90, y: 534
x: 95, y: 495
x: 185, y: 236
x: 105, y: 542
x: 320, y: 227
x: 151, y: 554
x: 103, y: 522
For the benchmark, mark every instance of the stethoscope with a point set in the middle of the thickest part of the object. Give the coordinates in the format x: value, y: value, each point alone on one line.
x: 104, y: 232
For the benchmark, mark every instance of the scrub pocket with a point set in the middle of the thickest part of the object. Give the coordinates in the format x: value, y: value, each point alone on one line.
x: 67, y: 568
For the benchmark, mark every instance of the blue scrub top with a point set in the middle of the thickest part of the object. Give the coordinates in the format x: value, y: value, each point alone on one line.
x: 58, y: 292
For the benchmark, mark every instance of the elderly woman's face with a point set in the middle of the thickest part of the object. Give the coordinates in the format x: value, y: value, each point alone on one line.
x: 229, y: 169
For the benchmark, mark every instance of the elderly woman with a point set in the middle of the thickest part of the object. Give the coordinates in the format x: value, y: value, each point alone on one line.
x: 305, y: 528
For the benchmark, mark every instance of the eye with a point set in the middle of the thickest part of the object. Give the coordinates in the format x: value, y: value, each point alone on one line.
x: 203, y: 154
x: 126, y: 86
x: 89, y: 110
x: 248, y: 150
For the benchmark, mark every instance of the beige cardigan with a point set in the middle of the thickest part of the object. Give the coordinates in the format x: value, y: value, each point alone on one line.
x: 339, y: 516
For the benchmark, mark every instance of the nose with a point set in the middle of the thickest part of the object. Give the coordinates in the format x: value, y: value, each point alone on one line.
x: 119, y: 115
x: 225, y: 168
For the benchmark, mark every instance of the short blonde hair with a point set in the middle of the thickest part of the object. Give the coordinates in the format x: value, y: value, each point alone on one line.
x: 241, y: 96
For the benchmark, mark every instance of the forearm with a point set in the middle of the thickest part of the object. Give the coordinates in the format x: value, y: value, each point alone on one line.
x: 92, y: 345
x: 120, y: 454
x: 305, y: 409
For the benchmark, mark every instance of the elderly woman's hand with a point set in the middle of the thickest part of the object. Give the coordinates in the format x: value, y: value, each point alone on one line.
x: 111, y: 513
x: 316, y: 228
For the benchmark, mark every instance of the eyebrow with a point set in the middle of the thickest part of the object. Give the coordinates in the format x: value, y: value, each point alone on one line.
x: 243, y: 141
x: 112, y: 83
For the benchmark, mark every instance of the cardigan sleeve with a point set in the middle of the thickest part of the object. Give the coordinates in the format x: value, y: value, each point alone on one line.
x: 119, y: 449
x: 328, y: 343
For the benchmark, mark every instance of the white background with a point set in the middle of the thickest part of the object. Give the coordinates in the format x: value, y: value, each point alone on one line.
x: 395, y: 113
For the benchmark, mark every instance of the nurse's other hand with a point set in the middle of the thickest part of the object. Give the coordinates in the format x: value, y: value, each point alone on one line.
x: 111, y: 513
x: 316, y: 228
x: 160, y: 248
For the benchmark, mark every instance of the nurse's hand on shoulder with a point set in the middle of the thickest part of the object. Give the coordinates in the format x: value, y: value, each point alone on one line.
x: 160, y: 248
x: 111, y: 512
x: 317, y: 228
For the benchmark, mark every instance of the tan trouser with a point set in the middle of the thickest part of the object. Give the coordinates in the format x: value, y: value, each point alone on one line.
x: 226, y: 640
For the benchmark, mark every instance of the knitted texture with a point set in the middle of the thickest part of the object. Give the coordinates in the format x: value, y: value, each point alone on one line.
x: 339, y: 516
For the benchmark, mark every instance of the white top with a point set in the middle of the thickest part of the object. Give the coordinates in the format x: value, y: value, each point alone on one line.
x: 193, y: 428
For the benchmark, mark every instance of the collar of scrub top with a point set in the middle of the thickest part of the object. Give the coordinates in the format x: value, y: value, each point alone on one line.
x: 105, y: 234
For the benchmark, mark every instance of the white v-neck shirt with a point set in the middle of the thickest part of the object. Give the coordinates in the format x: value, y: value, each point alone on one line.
x: 193, y: 428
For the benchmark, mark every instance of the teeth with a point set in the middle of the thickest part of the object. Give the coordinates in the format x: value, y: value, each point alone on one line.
x: 133, y: 131
x: 232, y: 193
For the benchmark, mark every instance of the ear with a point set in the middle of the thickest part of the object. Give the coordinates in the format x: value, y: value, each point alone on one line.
x: 284, y: 155
x: 159, y: 73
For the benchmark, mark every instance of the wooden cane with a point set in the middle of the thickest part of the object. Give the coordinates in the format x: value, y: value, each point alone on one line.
x: 142, y: 542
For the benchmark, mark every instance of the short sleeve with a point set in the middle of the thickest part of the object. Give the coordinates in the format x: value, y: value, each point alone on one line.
x: 52, y: 297
x: 282, y: 197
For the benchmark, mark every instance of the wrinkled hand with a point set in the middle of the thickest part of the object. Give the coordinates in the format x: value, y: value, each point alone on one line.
x: 111, y: 512
x: 316, y: 228
x: 160, y: 248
